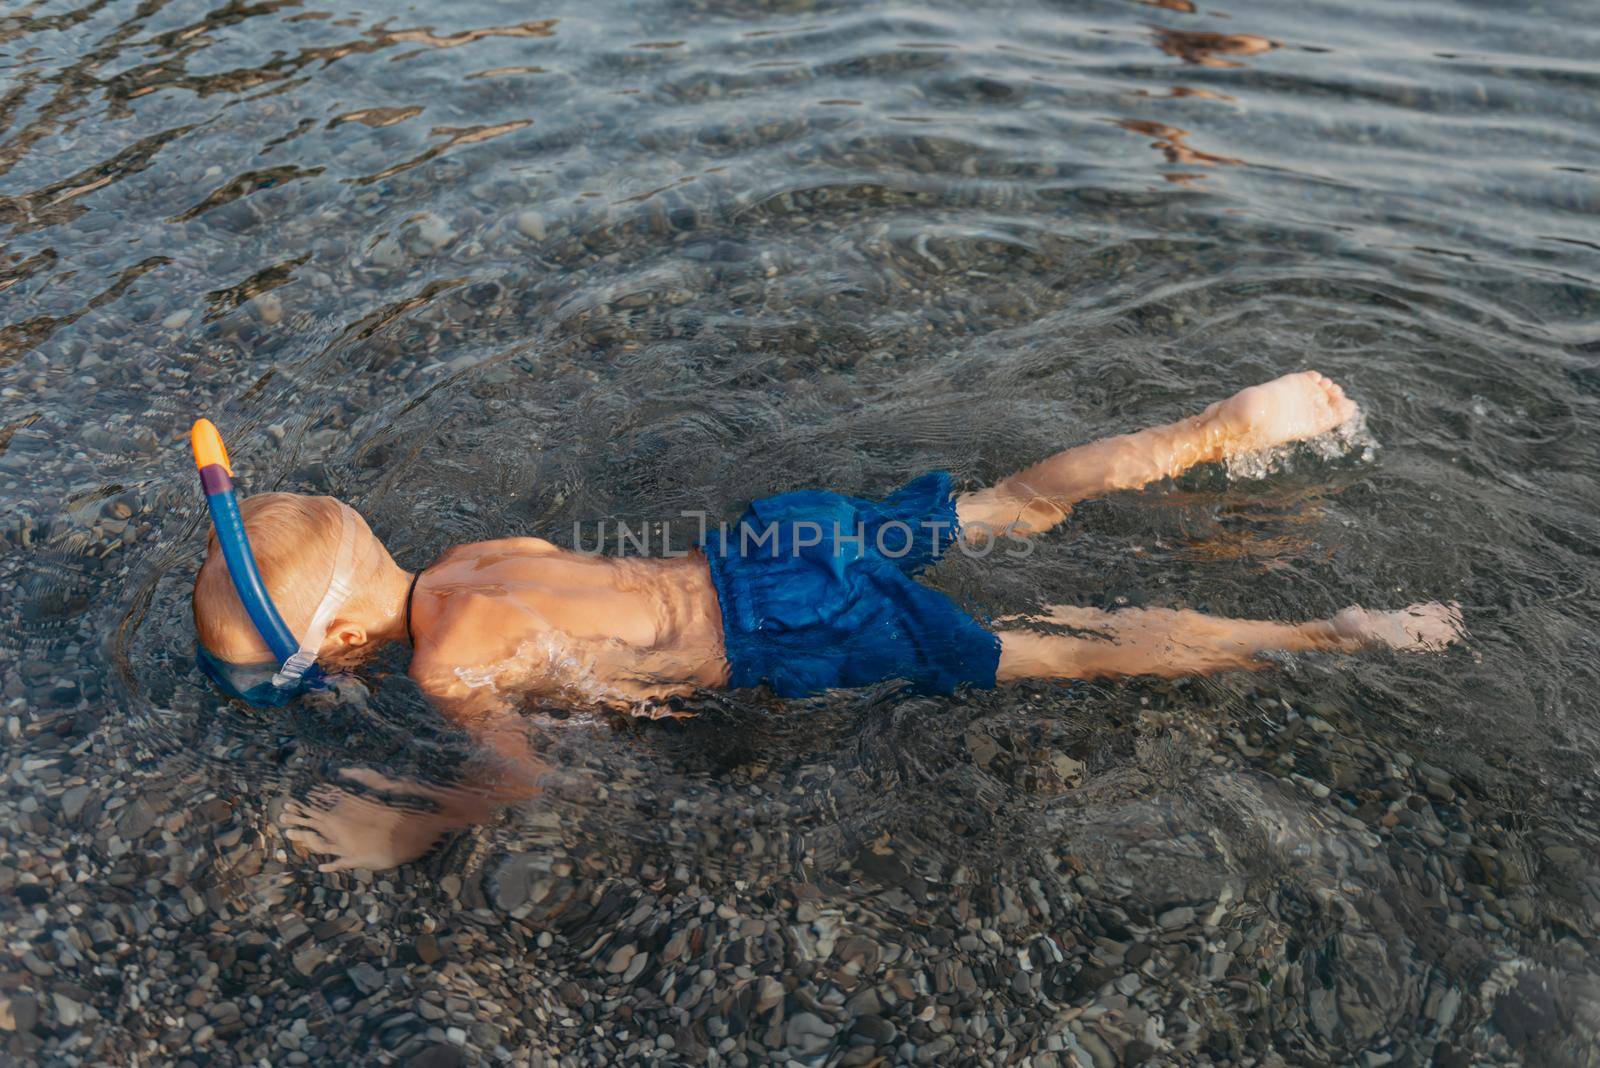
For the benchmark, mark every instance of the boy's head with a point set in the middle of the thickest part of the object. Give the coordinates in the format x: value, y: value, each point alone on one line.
x: 295, y: 541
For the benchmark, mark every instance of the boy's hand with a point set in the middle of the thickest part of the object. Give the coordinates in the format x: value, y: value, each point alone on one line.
x: 362, y: 832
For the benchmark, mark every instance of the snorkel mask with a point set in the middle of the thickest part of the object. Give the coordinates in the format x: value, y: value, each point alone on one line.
x: 296, y: 669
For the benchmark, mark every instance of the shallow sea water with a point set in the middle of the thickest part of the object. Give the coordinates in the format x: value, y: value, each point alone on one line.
x: 483, y: 269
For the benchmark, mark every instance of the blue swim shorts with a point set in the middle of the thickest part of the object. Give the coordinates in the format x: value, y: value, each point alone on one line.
x: 818, y: 591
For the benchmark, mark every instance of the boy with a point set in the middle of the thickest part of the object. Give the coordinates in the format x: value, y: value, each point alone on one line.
x: 809, y: 591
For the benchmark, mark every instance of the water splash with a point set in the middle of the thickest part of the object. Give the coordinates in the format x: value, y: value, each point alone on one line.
x: 1350, y: 440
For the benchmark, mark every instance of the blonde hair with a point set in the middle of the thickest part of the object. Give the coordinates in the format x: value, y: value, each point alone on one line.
x: 295, y: 540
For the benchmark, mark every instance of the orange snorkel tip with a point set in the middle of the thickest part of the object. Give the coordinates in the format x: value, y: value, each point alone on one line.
x: 206, y: 442
x: 216, y: 479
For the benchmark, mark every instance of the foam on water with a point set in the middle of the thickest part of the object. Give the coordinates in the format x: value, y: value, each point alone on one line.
x: 1351, y: 439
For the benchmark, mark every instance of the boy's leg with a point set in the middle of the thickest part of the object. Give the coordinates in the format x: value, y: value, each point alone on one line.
x: 1168, y: 642
x: 1291, y: 408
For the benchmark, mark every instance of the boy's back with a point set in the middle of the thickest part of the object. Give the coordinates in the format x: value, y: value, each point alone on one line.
x: 523, y: 616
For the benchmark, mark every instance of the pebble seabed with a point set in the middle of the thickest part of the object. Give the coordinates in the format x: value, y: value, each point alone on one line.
x: 132, y: 946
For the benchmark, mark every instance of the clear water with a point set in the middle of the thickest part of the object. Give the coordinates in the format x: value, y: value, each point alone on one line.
x: 483, y: 269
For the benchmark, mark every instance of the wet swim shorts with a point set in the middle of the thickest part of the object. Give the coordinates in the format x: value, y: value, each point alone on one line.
x: 817, y: 591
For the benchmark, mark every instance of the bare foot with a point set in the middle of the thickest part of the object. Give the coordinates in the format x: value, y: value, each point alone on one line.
x: 1292, y: 408
x: 1428, y: 627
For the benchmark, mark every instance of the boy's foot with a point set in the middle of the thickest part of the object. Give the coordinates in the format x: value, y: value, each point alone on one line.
x: 1292, y: 408
x: 1420, y: 628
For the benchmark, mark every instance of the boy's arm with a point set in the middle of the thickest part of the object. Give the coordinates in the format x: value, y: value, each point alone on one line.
x: 507, y: 769
x: 384, y: 831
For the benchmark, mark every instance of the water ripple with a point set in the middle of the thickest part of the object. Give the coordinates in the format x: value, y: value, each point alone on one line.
x: 484, y: 274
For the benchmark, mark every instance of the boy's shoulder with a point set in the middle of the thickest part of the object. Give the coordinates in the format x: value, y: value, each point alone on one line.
x: 466, y: 629
x: 479, y: 600
x: 500, y: 548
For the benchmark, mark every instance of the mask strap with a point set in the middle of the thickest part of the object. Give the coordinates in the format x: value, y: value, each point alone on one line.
x: 333, y: 599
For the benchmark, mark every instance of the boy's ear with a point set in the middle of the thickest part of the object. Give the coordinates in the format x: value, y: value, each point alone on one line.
x: 348, y: 634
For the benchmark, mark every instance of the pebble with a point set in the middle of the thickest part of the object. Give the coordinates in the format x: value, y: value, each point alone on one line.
x: 769, y: 992
x: 268, y: 307
x: 136, y: 821
x: 808, y: 1034
x: 1098, y: 1051
x: 19, y: 1012
x: 620, y: 959
x: 864, y: 1002
x: 426, y: 235
x: 531, y: 223
x: 308, y: 958
x: 875, y: 1029
x: 387, y: 253
x: 511, y: 882
x: 366, y: 978
x: 68, y: 1011
x: 1449, y: 1003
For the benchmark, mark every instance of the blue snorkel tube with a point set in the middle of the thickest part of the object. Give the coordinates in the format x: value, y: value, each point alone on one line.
x: 216, y: 478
